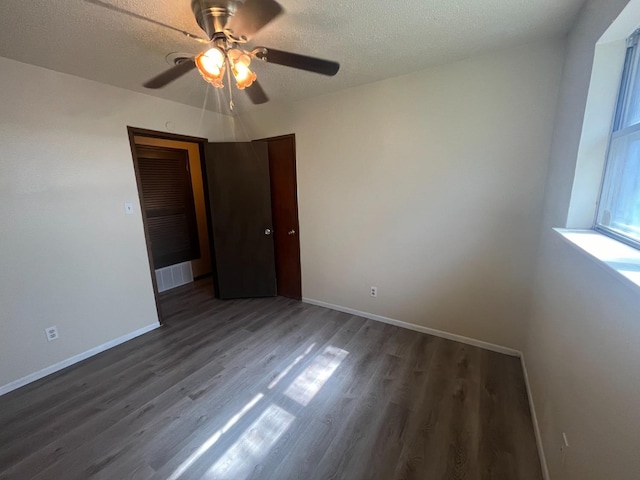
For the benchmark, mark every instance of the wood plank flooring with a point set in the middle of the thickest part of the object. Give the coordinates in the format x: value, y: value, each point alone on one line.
x: 273, y: 389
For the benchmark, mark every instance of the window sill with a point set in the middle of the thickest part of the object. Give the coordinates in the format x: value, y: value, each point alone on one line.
x: 618, y: 258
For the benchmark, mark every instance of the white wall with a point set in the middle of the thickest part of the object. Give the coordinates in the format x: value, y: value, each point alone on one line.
x: 582, y: 350
x: 68, y: 254
x: 428, y: 186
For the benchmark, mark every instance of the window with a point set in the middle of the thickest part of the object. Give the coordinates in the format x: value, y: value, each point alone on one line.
x: 619, y: 206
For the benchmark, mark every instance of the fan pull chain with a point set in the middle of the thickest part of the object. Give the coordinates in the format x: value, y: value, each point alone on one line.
x: 231, y: 105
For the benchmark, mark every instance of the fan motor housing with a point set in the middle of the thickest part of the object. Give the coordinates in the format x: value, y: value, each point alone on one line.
x: 213, y: 15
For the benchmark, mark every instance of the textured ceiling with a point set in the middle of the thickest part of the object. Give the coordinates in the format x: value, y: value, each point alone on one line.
x: 371, y: 39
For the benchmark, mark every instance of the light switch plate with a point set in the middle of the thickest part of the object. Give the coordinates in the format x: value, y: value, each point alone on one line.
x: 128, y: 208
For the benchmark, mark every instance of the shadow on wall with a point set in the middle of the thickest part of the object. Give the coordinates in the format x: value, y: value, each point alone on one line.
x: 586, y: 322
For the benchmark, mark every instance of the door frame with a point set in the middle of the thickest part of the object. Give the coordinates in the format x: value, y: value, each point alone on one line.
x: 291, y: 136
x: 141, y: 132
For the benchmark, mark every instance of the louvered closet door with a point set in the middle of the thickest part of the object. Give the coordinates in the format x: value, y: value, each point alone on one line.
x: 167, y: 199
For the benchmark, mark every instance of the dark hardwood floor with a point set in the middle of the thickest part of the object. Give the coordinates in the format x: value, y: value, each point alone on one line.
x: 273, y: 389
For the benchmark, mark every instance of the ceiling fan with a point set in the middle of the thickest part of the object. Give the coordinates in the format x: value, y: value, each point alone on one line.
x: 229, y: 25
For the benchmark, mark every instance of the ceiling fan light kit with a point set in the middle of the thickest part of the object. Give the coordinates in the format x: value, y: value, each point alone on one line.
x: 211, y: 65
x: 229, y: 25
x: 240, y: 62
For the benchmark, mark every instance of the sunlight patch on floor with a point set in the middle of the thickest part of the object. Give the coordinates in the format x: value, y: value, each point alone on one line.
x: 291, y: 365
x: 256, y: 441
x: 310, y: 381
x: 252, y: 446
x: 184, y: 466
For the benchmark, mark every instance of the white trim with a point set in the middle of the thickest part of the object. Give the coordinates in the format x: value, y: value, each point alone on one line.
x: 534, y: 419
x: 418, y: 328
x: 75, y: 359
x: 617, y: 258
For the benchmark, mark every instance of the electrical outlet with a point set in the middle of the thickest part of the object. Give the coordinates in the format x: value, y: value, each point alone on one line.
x: 51, y: 333
x: 374, y: 291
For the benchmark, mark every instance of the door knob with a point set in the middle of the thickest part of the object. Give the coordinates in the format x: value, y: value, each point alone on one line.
x: 292, y: 232
x: 267, y: 231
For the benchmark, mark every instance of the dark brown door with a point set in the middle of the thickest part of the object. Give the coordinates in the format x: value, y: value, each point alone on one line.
x: 239, y: 210
x: 284, y: 205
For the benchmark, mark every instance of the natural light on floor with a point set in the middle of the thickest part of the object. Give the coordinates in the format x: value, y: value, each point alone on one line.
x: 214, y: 438
x: 285, y: 372
x: 254, y: 442
x: 311, y: 380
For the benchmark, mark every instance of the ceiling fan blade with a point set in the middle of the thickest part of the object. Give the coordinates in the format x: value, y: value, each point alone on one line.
x: 256, y: 93
x: 251, y: 16
x: 301, y: 62
x: 170, y: 75
x: 115, y: 8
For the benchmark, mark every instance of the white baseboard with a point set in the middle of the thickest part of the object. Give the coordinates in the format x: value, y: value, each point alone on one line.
x: 534, y: 419
x: 75, y: 359
x: 418, y: 328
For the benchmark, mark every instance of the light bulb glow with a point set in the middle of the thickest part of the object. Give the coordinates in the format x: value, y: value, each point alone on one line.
x: 244, y: 76
x: 240, y: 62
x: 211, y: 66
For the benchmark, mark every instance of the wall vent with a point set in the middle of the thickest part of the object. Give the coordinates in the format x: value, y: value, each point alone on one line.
x: 173, y: 276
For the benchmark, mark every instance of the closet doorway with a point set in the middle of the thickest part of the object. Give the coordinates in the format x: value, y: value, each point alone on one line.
x: 169, y: 178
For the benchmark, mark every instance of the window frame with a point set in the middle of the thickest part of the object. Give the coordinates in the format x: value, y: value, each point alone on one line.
x: 630, y: 77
